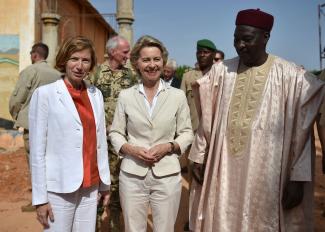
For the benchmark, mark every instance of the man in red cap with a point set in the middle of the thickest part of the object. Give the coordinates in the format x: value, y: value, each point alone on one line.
x: 252, y: 150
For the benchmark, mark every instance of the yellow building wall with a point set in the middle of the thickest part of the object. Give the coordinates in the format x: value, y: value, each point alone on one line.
x: 17, y: 26
x: 18, y: 18
x: 8, y: 78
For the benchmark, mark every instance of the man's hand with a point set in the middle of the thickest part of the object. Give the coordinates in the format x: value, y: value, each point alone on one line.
x: 198, y: 172
x: 105, y: 197
x: 293, y: 194
x: 108, y: 128
x: 323, y: 162
x: 44, y: 211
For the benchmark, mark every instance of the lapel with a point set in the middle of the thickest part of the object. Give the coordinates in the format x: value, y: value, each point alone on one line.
x: 140, y: 101
x: 162, y: 97
x: 175, y: 83
x: 66, y: 100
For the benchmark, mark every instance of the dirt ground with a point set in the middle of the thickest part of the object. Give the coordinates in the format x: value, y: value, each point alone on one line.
x: 15, y: 192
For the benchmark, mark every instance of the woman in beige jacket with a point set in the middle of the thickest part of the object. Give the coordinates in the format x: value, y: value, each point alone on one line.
x: 151, y: 128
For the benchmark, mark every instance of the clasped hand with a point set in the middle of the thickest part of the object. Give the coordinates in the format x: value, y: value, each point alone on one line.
x: 152, y: 155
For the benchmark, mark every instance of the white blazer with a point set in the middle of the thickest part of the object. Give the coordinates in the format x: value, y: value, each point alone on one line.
x: 56, y: 141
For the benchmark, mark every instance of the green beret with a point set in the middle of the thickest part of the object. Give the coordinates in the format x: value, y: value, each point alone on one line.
x: 205, y: 43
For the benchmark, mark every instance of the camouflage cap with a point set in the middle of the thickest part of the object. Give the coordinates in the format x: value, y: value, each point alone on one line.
x: 205, y: 43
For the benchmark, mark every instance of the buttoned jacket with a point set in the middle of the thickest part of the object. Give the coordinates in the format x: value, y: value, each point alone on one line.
x: 56, y: 141
x: 169, y: 122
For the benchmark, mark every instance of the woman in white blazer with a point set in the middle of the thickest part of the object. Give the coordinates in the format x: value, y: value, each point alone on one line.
x: 68, y: 148
x: 151, y: 128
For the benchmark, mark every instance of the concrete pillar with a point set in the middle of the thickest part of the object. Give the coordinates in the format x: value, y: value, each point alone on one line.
x: 50, y: 34
x: 125, y: 18
x: 26, y: 30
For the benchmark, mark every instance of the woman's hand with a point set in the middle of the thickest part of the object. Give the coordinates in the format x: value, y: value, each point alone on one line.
x: 160, y: 150
x: 44, y: 211
x: 139, y: 152
x: 143, y: 154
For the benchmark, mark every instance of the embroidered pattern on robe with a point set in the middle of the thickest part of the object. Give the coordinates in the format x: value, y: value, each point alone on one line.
x: 245, y: 101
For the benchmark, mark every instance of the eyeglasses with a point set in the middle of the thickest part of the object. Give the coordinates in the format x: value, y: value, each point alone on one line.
x: 217, y: 59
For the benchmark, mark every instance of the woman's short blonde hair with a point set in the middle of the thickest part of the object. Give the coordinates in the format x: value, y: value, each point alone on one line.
x: 70, y: 46
x: 146, y: 41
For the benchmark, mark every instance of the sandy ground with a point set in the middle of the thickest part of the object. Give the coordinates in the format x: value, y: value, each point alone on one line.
x: 15, y: 192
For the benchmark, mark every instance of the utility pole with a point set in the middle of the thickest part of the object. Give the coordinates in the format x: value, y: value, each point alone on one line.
x: 321, y: 51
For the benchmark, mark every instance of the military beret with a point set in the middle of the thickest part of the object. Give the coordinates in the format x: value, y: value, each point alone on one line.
x: 255, y: 18
x: 205, y: 43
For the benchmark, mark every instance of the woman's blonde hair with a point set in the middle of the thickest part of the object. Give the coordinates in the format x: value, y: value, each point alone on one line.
x: 146, y: 41
x: 72, y: 45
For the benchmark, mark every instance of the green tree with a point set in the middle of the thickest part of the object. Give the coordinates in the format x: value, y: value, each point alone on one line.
x: 181, y: 70
x: 316, y: 72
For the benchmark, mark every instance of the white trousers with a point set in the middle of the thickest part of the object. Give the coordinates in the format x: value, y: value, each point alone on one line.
x: 162, y: 193
x: 74, y: 211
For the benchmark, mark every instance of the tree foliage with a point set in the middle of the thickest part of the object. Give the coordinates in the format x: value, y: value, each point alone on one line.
x: 181, y: 70
x: 316, y: 72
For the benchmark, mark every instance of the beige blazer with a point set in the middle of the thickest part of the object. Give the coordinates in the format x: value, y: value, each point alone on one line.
x: 170, y: 121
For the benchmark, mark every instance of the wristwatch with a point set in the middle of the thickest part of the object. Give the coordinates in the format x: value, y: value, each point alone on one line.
x: 173, y: 147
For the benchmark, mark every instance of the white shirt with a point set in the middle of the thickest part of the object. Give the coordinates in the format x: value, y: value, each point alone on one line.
x: 151, y: 107
x: 169, y: 82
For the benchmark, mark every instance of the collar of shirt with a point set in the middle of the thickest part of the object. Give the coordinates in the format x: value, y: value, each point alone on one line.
x: 151, y: 107
x: 70, y: 87
x: 40, y: 61
x: 106, y: 68
x: 170, y: 81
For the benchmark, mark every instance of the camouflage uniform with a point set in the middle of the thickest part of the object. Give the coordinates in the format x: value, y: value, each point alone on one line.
x: 110, y: 83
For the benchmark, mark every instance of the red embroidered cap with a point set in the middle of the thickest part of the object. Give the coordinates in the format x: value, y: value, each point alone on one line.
x: 255, y: 18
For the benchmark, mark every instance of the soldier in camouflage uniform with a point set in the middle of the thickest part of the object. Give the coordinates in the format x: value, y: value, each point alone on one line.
x: 111, y: 77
